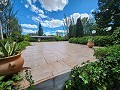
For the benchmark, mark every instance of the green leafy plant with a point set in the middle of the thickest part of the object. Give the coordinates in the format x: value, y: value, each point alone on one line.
x: 103, y: 74
x: 10, y: 83
x: 28, y: 77
x: 116, y: 36
x: 8, y: 49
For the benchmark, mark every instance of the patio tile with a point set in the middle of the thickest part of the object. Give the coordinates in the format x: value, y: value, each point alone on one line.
x: 50, y: 59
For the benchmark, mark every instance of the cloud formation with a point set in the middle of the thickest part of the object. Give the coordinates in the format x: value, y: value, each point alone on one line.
x: 29, y: 26
x: 29, y: 31
x: 52, y: 23
x: 78, y: 15
x: 53, y: 5
x: 35, y: 9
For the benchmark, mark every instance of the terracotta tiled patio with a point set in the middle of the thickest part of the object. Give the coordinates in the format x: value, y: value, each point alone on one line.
x: 50, y: 59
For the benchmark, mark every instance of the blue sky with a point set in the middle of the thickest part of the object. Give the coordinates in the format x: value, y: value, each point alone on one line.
x: 50, y: 13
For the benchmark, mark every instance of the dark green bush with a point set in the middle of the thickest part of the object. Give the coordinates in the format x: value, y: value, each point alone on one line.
x: 83, y: 40
x: 103, y: 74
x: 98, y: 40
x: 58, y: 38
x: 116, y: 36
x: 105, y: 51
x: 33, y: 40
x: 73, y: 40
x: 103, y: 40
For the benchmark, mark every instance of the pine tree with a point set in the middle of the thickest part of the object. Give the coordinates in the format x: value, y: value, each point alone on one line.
x: 79, y: 28
x: 108, y: 13
x: 40, y: 31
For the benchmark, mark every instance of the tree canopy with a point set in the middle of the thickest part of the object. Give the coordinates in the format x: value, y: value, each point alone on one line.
x: 108, y: 13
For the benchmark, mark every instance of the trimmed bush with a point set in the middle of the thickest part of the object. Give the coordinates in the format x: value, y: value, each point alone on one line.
x: 98, y: 40
x: 33, y: 40
x: 103, y: 74
x: 103, y: 40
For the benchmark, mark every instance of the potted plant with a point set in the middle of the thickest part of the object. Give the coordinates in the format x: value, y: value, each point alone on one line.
x: 90, y: 43
x: 10, y: 58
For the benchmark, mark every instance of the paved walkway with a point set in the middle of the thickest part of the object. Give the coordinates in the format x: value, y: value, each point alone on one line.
x: 49, y: 59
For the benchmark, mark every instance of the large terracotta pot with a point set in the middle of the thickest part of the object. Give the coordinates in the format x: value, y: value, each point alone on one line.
x: 90, y: 44
x: 11, y: 65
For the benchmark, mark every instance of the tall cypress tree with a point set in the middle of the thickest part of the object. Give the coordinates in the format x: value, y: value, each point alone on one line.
x: 40, y: 31
x: 79, y: 28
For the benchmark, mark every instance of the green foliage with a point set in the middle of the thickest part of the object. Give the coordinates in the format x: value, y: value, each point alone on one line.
x: 116, y: 36
x: 27, y: 38
x: 33, y: 39
x: 72, y: 30
x: 79, y: 28
x: 73, y: 40
x: 8, y: 49
x: 103, y: 41
x: 58, y: 38
x: 23, y: 44
x: 103, y: 74
x: 106, y: 10
x: 98, y: 40
x: 105, y: 51
x: 28, y: 77
x: 10, y: 83
x: 17, y: 37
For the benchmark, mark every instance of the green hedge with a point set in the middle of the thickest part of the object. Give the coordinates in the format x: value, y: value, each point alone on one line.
x: 98, y: 40
x: 116, y: 36
x: 103, y: 74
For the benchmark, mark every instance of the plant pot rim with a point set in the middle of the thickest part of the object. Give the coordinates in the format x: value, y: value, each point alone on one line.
x: 11, y: 56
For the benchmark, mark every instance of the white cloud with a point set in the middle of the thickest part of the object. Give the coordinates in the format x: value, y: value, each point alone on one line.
x: 42, y: 16
x: 52, y: 23
x: 78, y: 15
x: 33, y: 7
x: 53, y: 5
x: 26, y: 5
x: 34, y: 1
x: 36, y: 19
x: 29, y: 1
x: 29, y: 31
x: 29, y: 26
x: 60, y: 31
x: 36, y: 9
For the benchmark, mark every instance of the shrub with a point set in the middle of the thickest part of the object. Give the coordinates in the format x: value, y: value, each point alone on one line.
x: 27, y: 38
x: 59, y: 38
x: 33, y: 40
x: 103, y: 52
x: 116, y: 36
x: 24, y: 44
x: 73, y: 40
x: 103, y: 74
x: 98, y: 40
x: 103, y: 41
